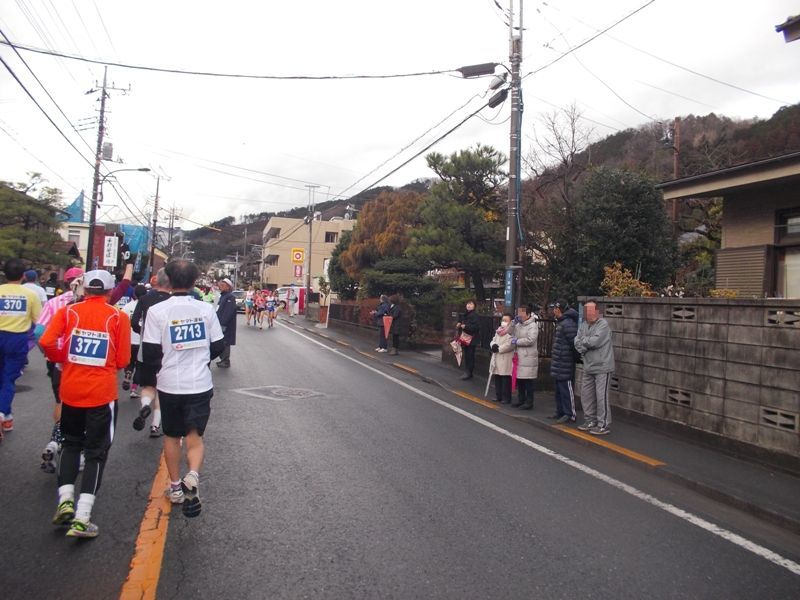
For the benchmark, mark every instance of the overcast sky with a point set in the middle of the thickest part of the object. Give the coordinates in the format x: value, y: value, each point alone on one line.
x: 333, y: 133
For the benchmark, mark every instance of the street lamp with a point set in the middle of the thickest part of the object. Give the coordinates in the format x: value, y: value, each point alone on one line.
x: 93, y: 213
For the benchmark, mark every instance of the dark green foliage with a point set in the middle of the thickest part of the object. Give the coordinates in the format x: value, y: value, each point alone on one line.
x: 340, y: 281
x: 620, y: 217
x: 460, y: 218
x: 28, y: 227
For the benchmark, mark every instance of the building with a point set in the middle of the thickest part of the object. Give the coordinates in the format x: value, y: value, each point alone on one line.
x: 760, y: 252
x: 284, y: 255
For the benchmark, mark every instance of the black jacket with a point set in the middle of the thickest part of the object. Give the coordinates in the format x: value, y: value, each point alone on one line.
x: 395, y: 313
x: 471, y: 323
x: 562, y: 362
x: 226, y: 313
x: 140, y: 312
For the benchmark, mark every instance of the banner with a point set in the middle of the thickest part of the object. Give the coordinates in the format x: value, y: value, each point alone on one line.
x: 137, y: 237
x: 74, y: 211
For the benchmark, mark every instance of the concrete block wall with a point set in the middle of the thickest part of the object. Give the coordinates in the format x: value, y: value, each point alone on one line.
x: 726, y: 367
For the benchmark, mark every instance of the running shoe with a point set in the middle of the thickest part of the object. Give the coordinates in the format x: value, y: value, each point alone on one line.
x: 155, y: 431
x: 175, y: 495
x: 144, y: 412
x: 597, y: 430
x: 587, y: 426
x: 191, y: 496
x: 64, y: 513
x: 49, y: 457
x: 135, y: 393
x: 81, y: 529
x: 7, y: 423
x: 126, y: 380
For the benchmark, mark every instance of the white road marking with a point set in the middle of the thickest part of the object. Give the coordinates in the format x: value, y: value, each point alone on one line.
x: 712, y: 528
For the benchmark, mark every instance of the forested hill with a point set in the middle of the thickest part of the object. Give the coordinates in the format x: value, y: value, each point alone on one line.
x: 210, y: 246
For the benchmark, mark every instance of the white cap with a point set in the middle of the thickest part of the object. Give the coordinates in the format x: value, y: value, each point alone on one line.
x: 228, y: 281
x: 98, y: 280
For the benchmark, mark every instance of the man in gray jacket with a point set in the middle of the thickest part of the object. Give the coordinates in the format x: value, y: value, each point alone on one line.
x: 593, y: 342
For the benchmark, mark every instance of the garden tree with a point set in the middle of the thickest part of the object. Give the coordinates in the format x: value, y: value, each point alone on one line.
x: 556, y: 161
x: 621, y: 218
x: 406, y: 277
x: 460, y: 219
x: 341, y: 283
x: 28, y: 227
x: 383, y: 230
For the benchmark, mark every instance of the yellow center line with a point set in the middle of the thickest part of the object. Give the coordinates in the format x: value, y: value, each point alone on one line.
x: 341, y: 343
x: 653, y: 462
x: 327, y: 337
x: 405, y: 368
x: 145, y: 569
x: 366, y: 354
x: 472, y: 398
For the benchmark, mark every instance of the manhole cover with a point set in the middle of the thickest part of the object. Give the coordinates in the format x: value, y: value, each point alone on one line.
x: 278, y: 393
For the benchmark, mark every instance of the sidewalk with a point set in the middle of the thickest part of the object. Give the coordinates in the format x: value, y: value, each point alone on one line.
x: 769, y: 494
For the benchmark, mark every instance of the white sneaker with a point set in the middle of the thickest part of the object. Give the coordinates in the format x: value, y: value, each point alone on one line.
x: 175, y: 496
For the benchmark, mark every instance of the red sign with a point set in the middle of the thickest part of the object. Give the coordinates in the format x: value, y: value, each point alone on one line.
x: 298, y: 271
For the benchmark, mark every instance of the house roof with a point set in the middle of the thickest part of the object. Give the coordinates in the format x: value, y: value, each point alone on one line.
x: 723, y: 181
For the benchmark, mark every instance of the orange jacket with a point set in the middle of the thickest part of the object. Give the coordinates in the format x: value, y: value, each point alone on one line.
x: 97, y: 343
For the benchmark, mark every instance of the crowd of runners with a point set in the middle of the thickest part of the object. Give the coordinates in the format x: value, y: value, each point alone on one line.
x: 163, y: 335
x: 257, y: 304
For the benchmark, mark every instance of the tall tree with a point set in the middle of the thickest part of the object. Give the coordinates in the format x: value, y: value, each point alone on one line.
x: 460, y: 220
x: 341, y: 283
x: 383, y: 230
x: 621, y: 218
x: 28, y: 227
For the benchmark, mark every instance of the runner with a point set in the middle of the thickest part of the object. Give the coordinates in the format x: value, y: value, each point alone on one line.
x: 272, y: 302
x: 181, y: 337
x: 260, y: 302
x: 249, y: 305
x: 97, y: 345
x: 19, y: 309
x: 74, y: 280
x: 128, y: 309
x: 149, y: 395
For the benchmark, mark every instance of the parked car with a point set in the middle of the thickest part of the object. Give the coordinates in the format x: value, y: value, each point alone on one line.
x: 239, y: 297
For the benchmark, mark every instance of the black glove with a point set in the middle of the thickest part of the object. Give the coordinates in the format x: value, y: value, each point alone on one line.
x: 127, y: 256
x: 495, y: 348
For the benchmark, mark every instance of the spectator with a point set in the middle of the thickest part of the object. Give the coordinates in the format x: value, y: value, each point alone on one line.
x: 470, y: 325
x: 593, y: 342
x: 379, y: 313
x: 562, y: 362
x: 525, y: 339
x: 502, y: 362
x: 395, y: 312
x: 226, y: 313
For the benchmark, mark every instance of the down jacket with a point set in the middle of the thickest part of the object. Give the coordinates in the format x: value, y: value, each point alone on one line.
x: 562, y: 364
x: 527, y: 334
x: 502, y: 362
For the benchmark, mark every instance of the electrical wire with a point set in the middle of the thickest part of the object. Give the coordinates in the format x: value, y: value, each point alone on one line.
x: 228, y: 75
x: 426, y: 148
x: 33, y: 156
x: 669, y: 62
x: 407, y: 146
x: 588, y: 40
x: 103, y: 23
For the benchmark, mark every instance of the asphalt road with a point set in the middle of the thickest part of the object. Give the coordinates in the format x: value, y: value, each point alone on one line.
x: 330, y: 475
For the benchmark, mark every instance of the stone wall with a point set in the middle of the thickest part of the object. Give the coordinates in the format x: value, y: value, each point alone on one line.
x: 726, y: 367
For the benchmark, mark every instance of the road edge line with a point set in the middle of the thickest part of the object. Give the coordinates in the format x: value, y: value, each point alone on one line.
x: 145, y: 566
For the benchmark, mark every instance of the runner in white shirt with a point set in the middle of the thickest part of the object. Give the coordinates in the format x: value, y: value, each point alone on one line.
x: 181, y: 336
x: 136, y: 339
x: 31, y: 278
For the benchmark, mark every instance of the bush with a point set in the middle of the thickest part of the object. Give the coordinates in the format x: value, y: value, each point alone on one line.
x: 619, y: 281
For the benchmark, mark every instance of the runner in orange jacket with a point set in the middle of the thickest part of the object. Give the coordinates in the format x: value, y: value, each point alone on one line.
x: 97, y: 344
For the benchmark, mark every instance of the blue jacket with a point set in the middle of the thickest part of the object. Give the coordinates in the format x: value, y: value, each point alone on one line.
x: 562, y: 362
x: 226, y: 313
x: 381, y: 311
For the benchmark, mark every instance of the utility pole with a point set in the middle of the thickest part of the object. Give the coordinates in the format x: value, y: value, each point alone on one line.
x: 98, y: 155
x: 311, y: 189
x: 244, y: 249
x: 155, y: 226
x: 513, y: 268
x: 676, y: 169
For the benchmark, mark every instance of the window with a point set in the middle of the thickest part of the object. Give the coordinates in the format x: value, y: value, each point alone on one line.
x: 788, y: 280
x: 788, y: 227
x: 271, y: 260
x: 331, y: 237
x: 74, y: 236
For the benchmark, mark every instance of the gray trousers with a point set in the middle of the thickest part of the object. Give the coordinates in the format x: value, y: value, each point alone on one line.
x: 594, y: 398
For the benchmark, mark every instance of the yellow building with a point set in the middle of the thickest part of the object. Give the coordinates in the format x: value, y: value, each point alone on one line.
x: 285, y: 251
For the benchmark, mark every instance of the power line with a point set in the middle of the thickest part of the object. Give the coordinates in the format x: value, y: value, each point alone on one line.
x: 590, y: 39
x: 426, y: 148
x: 229, y: 75
x: 36, y: 158
x: 664, y: 60
x: 407, y: 146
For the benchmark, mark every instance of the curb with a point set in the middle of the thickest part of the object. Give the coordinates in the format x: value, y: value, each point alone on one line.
x: 704, y: 489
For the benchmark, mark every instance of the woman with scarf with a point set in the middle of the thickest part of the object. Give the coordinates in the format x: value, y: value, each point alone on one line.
x: 502, y: 361
x: 469, y: 325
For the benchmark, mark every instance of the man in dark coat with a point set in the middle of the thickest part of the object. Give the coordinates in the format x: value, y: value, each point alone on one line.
x: 469, y: 324
x: 396, y: 313
x: 226, y: 313
x: 562, y: 363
